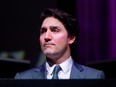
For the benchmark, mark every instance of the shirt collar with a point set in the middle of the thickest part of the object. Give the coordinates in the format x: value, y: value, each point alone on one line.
x: 66, y: 66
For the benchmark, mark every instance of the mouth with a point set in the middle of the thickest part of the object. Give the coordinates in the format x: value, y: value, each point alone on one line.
x: 49, y: 44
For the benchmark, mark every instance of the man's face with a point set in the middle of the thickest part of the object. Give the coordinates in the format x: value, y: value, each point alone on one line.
x: 54, y: 40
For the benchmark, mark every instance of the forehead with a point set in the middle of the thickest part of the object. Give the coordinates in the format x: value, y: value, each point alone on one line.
x: 50, y: 21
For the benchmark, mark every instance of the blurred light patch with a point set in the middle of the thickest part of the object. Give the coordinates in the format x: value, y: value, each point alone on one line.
x: 19, y: 55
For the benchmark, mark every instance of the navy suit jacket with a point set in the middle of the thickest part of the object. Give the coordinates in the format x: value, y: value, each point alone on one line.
x: 78, y: 72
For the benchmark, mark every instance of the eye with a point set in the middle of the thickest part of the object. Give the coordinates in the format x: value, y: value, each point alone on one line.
x: 43, y: 30
x: 55, y: 29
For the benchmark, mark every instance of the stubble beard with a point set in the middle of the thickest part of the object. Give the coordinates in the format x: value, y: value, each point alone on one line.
x: 54, y: 55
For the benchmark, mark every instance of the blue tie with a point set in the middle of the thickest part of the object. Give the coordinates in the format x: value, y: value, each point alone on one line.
x: 55, y: 72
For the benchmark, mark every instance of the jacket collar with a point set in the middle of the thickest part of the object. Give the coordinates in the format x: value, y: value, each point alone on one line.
x: 40, y: 72
x: 77, y: 72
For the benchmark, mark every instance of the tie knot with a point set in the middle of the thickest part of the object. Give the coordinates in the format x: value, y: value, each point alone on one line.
x: 55, y: 72
x: 56, y: 69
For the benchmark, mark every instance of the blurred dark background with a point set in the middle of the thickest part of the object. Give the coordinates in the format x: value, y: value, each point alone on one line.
x: 19, y: 26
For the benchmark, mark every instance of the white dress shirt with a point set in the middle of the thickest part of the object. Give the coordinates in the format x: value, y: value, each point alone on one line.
x: 64, y: 73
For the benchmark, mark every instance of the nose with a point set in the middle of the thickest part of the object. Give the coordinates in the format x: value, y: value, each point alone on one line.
x: 47, y: 36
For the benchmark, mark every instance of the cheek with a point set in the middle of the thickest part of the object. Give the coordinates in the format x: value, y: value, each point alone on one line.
x: 61, y: 39
x: 40, y: 40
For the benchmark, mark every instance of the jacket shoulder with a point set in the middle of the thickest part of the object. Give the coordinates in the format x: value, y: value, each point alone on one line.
x: 96, y: 73
x: 29, y: 74
x: 90, y: 72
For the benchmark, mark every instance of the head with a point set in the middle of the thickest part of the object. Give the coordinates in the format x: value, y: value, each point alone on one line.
x: 58, y: 33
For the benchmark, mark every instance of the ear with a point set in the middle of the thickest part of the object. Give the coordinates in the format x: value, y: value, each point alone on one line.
x: 72, y: 39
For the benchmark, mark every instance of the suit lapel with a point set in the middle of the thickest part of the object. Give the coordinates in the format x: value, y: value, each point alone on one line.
x: 77, y: 72
x: 40, y: 72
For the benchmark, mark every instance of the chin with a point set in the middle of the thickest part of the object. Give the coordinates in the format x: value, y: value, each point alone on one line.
x: 48, y: 52
x: 51, y: 55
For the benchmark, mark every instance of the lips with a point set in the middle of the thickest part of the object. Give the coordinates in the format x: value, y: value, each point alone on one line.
x: 49, y: 44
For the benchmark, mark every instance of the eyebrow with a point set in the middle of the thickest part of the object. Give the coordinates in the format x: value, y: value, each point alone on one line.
x: 42, y: 28
x: 50, y: 27
x: 54, y: 27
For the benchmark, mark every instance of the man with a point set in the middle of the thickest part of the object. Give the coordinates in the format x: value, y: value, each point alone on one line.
x: 58, y: 35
